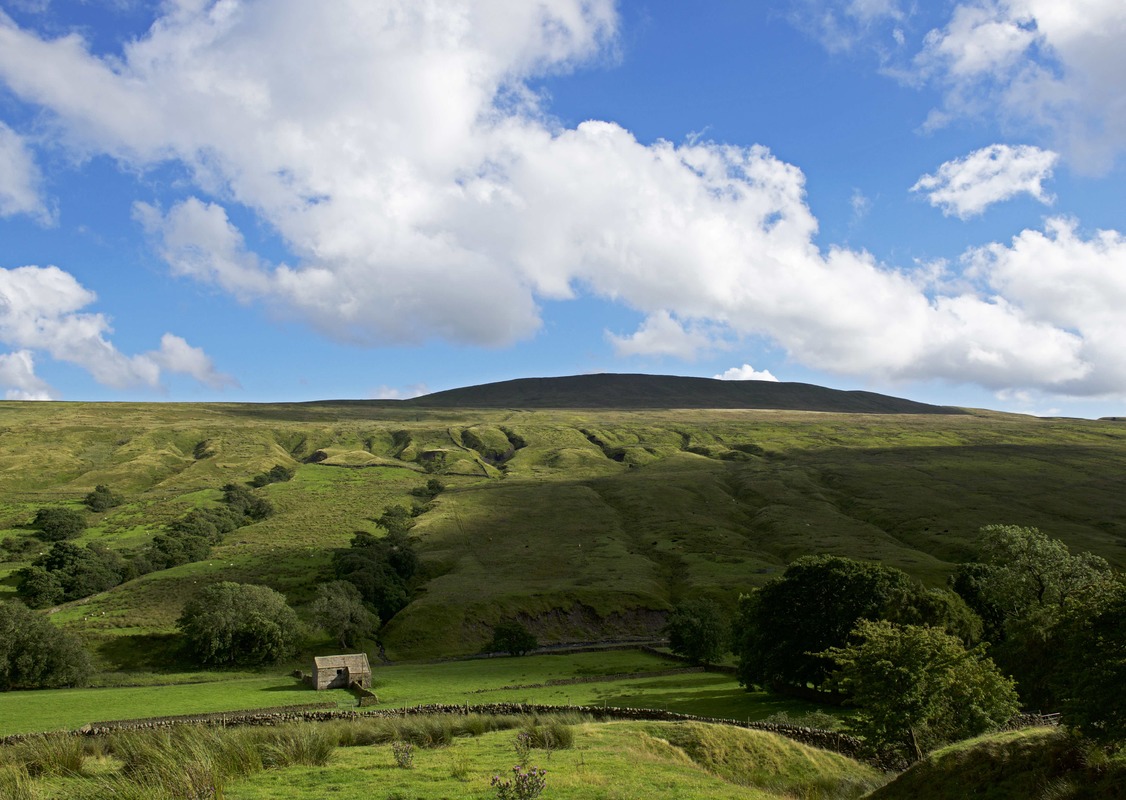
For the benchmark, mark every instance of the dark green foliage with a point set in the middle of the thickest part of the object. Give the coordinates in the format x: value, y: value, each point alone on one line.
x: 1026, y: 580
x: 244, y: 502
x: 432, y: 489
x: 814, y: 606
x: 1090, y: 663
x: 56, y: 524
x: 102, y: 499
x: 69, y: 572
x: 395, y: 520
x: 35, y: 654
x: 38, y: 587
x: 277, y: 474
x: 917, y: 687
x: 339, y: 611
x: 969, y: 582
x: 380, y: 568
x: 513, y: 638
x: 238, y: 624
x: 699, y: 631
x: 191, y: 537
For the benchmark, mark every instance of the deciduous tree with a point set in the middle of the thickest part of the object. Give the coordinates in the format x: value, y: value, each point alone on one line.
x: 235, y: 623
x: 339, y: 611
x: 917, y: 687
x: 699, y: 631
x: 35, y: 654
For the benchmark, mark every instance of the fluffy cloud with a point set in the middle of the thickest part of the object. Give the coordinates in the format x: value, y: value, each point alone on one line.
x: 422, y: 192
x: 1070, y: 282
x: 41, y: 310
x: 176, y: 355
x: 17, y: 375
x: 745, y: 373
x: 20, y: 180
x: 967, y: 186
x: 1054, y: 66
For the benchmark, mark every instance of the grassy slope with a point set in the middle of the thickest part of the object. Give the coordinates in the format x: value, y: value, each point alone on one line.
x: 1022, y: 765
x: 596, y: 523
x: 618, y: 760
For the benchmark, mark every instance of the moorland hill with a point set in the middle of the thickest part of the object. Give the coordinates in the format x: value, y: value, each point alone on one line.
x: 585, y: 522
x: 612, y: 390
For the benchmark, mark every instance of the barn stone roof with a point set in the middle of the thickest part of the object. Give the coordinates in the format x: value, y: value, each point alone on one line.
x: 355, y: 662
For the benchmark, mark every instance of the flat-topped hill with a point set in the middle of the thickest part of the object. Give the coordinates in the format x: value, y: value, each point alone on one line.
x: 610, y: 390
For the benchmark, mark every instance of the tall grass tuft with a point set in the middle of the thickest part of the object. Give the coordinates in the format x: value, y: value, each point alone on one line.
x: 50, y: 755
x: 16, y: 783
x: 297, y: 745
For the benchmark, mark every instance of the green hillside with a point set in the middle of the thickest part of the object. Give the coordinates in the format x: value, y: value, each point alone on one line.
x: 587, y: 523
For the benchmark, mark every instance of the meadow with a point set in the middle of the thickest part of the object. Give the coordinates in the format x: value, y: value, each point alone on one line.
x: 523, y: 680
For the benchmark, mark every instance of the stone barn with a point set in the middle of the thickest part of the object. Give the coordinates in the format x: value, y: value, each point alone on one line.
x: 340, y: 672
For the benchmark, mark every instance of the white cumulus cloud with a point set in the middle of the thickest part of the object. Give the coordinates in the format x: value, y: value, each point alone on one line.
x: 20, y: 180
x: 745, y: 373
x: 967, y: 186
x: 17, y: 376
x: 1051, y: 66
x: 422, y: 192
x: 41, y: 309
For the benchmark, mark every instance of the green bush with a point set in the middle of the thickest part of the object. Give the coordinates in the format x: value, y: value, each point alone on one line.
x: 34, y: 654
x: 56, y: 524
x: 102, y: 499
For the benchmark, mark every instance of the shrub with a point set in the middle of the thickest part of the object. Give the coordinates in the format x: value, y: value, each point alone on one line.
x: 276, y: 474
x: 102, y: 499
x: 522, y: 786
x: 403, y: 752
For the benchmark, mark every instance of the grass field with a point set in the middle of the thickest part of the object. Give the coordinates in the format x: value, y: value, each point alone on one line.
x: 618, y: 760
x: 473, y: 682
x: 451, y: 757
x: 588, y: 525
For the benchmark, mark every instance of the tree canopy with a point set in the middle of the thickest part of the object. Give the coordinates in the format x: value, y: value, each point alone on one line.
x: 1021, y: 587
x: 917, y: 687
x: 102, y: 499
x: 813, y: 606
x: 339, y: 611
x: 55, y: 523
x: 239, y: 624
x: 698, y: 631
x: 34, y: 654
x: 1090, y: 669
x: 513, y: 638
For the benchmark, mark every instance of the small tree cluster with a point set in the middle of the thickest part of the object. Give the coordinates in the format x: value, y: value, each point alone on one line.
x: 34, y: 654
x: 815, y: 605
x: 69, y: 572
x: 276, y: 474
x: 917, y: 687
x: 513, y: 638
x: 381, y: 568
x: 698, y: 631
x: 432, y: 489
x: 56, y: 524
x: 230, y: 624
x: 102, y: 499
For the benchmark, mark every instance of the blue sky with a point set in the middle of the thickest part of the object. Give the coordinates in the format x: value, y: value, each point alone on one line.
x: 248, y: 201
